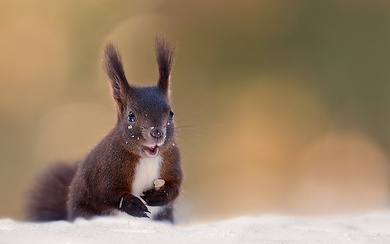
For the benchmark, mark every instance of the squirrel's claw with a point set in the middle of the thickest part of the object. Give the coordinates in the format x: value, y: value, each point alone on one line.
x: 133, y: 206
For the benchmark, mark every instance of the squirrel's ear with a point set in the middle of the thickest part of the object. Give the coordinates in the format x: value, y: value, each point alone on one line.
x: 164, y: 55
x: 114, y: 68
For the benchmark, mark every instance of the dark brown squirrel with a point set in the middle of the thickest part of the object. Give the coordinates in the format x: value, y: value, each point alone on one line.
x: 118, y: 174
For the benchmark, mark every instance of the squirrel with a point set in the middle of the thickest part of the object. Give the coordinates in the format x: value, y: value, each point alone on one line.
x: 119, y: 173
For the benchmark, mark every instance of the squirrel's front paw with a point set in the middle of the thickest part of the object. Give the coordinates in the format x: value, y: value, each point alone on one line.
x: 156, y: 196
x: 133, y: 206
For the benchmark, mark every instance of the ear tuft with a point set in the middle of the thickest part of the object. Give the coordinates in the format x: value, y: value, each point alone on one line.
x: 165, y: 56
x: 118, y: 81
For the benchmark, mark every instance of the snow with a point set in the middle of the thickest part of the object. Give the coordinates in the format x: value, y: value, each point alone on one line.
x: 363, y: 228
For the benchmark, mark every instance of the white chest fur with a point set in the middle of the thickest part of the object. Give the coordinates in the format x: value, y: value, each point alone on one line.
x: 147, y: 170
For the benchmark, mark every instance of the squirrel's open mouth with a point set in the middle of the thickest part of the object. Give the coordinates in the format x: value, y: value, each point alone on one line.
x: 151, y: 151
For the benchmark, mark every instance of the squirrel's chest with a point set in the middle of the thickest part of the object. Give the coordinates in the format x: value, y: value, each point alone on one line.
x: 147, y: 170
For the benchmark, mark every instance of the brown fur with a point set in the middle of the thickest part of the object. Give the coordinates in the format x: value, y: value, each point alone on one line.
x: 107, y: 173
x: 47, y: 198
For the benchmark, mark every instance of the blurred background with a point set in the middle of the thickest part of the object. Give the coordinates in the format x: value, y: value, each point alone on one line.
x: 281, y: 106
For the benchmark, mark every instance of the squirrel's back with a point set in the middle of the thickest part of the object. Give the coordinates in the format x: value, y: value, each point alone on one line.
x: 48, y: 196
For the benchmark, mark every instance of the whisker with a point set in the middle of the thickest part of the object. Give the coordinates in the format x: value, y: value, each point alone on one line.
x: 193, y: 133
x: 188, y: 141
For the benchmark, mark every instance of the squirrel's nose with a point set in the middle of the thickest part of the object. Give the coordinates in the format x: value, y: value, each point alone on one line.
x: 156, y: 133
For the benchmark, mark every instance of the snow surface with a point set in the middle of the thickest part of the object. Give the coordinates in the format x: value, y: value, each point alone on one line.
x: 364, y: 228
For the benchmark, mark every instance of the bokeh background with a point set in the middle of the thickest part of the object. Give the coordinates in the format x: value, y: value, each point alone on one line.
x: 282, y: 106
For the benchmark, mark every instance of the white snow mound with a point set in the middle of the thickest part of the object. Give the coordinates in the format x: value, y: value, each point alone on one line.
x: 367, y: 228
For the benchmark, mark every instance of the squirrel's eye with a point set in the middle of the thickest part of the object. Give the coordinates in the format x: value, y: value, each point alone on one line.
x: 171, y: 115
x: 131, y: 117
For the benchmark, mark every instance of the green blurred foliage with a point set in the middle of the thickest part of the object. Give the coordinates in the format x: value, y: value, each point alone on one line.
x: 281, y: 105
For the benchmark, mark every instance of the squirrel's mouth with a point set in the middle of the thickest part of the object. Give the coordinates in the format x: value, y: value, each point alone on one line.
x: 151, y: 151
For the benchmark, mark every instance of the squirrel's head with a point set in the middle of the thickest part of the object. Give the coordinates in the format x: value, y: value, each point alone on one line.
x: 145, y: 117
